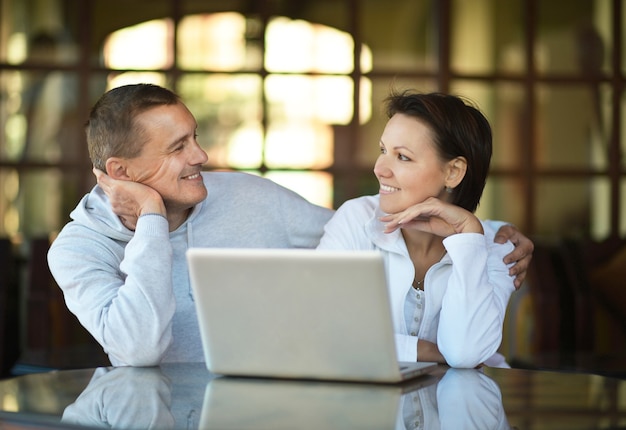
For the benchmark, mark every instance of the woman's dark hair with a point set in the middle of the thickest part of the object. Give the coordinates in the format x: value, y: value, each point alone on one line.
x: 112, y: 130
x: 459, y: 130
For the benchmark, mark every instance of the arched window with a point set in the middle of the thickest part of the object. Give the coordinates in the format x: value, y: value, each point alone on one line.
x: 266, y: 98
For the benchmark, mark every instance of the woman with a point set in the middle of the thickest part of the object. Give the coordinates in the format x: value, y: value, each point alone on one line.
x: 449, y: 286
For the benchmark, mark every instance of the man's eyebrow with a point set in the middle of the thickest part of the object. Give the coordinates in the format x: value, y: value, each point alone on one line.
x: 177, y: 142
x: 181, y: 139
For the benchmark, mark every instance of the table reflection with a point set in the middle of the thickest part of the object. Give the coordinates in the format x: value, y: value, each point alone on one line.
x: 150, y: 398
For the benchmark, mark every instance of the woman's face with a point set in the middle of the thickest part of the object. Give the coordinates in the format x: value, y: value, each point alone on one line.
x: 408, y: 168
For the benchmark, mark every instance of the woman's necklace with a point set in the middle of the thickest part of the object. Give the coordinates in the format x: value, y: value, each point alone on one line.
x: 419, y: 285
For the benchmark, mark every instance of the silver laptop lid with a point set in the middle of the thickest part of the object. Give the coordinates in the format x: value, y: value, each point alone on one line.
x: 294, y: 313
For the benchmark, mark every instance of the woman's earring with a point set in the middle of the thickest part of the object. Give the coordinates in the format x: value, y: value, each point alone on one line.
x: 449, y: 190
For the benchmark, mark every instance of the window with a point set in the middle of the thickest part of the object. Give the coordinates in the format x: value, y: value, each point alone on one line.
x: 259, y: 109
x: 293, y: 91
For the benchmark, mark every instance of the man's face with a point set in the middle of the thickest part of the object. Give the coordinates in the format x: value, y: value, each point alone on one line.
x: 171, y: 159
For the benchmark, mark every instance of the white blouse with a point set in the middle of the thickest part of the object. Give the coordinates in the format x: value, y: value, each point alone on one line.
x: 466, y: 293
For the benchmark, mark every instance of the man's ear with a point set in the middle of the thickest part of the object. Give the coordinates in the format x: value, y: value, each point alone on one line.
x: 456, y: 169
x: 116, y: 168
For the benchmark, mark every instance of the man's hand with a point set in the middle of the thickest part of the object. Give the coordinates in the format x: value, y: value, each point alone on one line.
x: 129, y: 199
x: 521, y: 255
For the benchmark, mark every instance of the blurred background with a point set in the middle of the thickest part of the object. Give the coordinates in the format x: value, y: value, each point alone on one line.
x: 292, y: 90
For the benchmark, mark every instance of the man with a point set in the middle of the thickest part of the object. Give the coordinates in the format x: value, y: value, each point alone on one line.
x: 121, y: 260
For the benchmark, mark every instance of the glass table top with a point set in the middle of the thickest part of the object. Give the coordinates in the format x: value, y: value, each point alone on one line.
x: 188, y: 396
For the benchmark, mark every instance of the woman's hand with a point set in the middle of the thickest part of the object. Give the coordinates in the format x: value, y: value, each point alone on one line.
x: 434, y: 216
x: 444, y: 219
x: 428, y: 351
x: 129, y: 199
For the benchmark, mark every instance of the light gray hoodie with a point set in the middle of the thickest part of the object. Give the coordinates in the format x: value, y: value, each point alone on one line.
x: 131, y: 290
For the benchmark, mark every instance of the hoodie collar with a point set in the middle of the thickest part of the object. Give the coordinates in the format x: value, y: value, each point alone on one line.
x: 94, y: 211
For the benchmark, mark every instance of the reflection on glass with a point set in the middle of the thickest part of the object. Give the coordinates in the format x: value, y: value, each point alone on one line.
x: 39, y: 398
x: 186, y: 396
x: 142, y: 46
x: 469, y: 399
x: 166, y: 397
x: 461, y: 399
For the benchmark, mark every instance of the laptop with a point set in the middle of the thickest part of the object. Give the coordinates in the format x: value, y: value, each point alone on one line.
x: 296, y: 313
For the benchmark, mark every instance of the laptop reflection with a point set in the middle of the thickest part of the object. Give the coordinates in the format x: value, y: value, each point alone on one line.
x: 187, y: 396
x: 250, y: 403
x: 457, y: 398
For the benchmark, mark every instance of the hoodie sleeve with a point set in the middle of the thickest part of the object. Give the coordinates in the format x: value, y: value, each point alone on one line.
x: 121, y: 294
